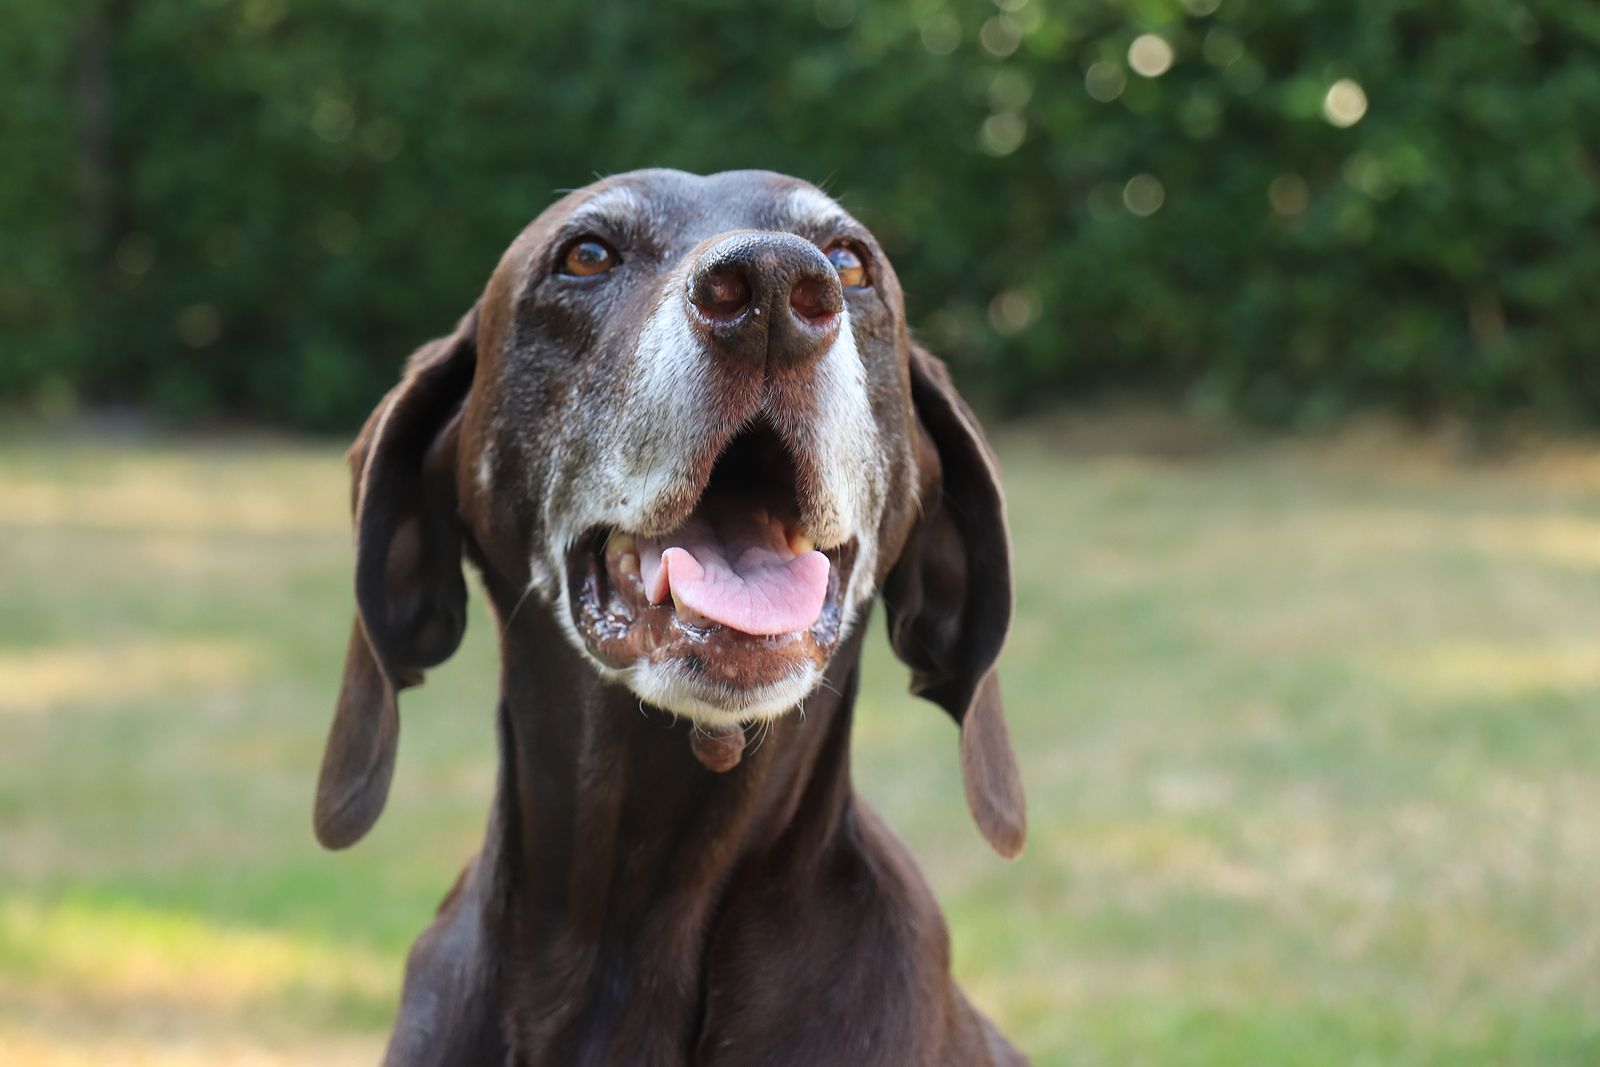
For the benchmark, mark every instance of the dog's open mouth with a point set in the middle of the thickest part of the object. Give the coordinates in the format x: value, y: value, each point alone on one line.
x: 735, y: 604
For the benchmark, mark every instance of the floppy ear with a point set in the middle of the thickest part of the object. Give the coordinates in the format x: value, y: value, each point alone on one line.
x: 411, y: 597
x: 948, y: 598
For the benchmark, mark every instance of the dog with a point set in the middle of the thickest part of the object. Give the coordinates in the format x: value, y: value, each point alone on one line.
x: 687, y: 440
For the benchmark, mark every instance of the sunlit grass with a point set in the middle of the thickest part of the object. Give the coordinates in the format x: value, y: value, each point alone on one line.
x: 122, y: 954
x: 173, y: 490
x: 1477, y: 670
x: 54, y: 1046
x: 37, y: 680
x: 1310, y: 731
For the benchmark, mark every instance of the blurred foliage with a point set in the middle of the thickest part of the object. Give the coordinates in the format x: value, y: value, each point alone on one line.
x: 261, y: 205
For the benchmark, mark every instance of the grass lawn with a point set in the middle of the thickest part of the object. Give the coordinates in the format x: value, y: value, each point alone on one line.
x: 1311, y: 732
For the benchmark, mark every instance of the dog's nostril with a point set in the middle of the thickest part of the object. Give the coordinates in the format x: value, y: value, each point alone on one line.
x: 816, y: 300
x: 721, y: 294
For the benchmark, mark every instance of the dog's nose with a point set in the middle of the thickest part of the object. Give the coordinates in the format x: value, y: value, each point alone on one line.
x: 766, y: 296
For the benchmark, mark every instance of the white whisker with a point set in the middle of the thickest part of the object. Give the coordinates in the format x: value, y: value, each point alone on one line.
x: 506, y: 625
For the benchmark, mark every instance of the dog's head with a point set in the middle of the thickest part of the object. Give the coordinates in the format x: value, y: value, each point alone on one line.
x: 687, y: 418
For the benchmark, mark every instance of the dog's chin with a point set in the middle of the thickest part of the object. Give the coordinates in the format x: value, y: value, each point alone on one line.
x: 714, y: 706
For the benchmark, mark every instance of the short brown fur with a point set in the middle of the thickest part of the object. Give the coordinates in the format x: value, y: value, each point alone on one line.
x: 629, y: 906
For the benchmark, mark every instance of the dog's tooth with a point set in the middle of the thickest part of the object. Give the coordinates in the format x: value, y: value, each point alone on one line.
x: 686, y: 613
x: 621, y: 542
x: 629, y: 563
x: 800, y: 542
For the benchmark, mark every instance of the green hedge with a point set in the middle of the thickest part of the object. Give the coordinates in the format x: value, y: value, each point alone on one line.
x: 282, y: 197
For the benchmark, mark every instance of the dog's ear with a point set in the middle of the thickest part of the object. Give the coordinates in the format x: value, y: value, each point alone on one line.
x: 410, y: 594
x: 948, y: 598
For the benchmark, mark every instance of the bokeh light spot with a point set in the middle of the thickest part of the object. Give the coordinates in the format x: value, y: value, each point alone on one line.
x: 1366, y: 172
x: 332, y: 119
x: 1002, y: 133
x: 1150, y: 55
x: 1104, y: 81
x: 941, y: 33
x: 1221, y: 47
x: 383, y: 138
x: 135, y: 254
x: 1000, y: 36
x: 1345, y: 103
x: 199, y: 325
x: 1143, y: 195
x: 1010, y: 89
x: 1013, y: 311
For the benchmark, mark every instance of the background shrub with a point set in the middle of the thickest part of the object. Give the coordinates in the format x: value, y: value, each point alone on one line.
x: 260, y: 206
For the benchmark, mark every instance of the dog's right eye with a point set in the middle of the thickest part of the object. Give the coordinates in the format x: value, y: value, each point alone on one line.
x: 588, y: 256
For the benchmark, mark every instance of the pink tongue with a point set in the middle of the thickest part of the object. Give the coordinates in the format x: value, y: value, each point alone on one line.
x: 730, y: 562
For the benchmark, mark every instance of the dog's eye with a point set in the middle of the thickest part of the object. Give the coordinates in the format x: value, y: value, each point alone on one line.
x: 848, y: 262
x: 588, y: 256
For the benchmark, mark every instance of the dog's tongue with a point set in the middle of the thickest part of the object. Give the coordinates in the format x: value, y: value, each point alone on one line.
x: 730, y: 562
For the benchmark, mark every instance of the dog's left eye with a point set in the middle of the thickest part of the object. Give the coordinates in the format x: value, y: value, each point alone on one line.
x: 588, y: 256
x: 849, y: 263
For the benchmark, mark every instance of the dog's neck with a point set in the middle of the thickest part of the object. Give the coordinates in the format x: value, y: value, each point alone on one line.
x: 611, y: 843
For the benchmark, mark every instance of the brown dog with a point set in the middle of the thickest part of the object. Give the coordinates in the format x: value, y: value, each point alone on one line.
x: 687, y: 440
